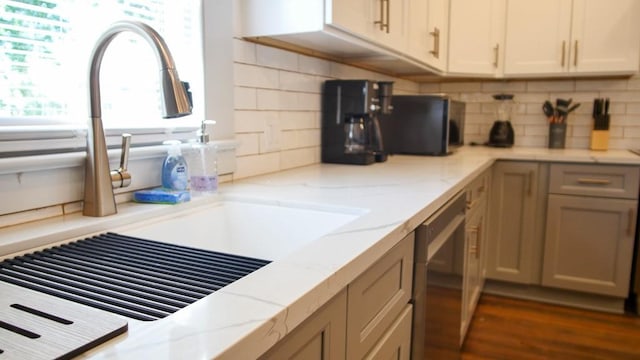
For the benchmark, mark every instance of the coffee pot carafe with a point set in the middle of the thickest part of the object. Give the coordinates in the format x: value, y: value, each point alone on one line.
x: 350, y: 126
x: 501, y: 133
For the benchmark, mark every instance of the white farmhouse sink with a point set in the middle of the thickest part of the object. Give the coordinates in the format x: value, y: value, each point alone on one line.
x: 263, y: 229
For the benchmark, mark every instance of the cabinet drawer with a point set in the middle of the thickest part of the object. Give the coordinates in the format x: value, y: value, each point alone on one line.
x: 377, y: 297
x: 595, y: 180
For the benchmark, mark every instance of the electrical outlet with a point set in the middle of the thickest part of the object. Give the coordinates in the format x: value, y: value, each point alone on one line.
x: 271, y: 136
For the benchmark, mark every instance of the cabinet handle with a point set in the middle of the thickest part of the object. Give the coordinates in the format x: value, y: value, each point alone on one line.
x: 530, y: 185
x: 384, y: 25
x: 575, y: 55
x: 436, y: 42
x: 591, y: 181
x: 388, y: 24
x: 478, y: 240
x: 630, y: 224
x: 564, y: 50
x: 496, y: 51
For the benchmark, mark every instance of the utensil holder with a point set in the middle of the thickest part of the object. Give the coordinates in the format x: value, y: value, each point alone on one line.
x: 557, y: 135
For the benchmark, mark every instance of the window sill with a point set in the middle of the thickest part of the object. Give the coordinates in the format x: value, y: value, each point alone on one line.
x: 37, y: 182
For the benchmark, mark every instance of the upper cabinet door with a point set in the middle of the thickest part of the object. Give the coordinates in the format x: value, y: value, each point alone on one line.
x: 428, y: 31
x: 438, y: 23
x: 381, y: 21
x: 354, y: 16
x: 537, y: 37
x: 476, y: 37
x: 605, y: 36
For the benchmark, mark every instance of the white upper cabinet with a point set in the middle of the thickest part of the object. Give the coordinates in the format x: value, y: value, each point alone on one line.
x: 367, y: 32
x: 428, y: 31
x: 537, y: 36
x: 565, y: 37
x: 606, y: 36
x: 476, y: 37
x: 382, y: 21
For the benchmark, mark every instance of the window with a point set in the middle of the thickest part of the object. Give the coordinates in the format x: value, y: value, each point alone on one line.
x: 44, y: 70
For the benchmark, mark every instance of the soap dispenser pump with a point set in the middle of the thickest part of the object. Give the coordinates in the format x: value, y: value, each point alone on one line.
x: 203, y: 163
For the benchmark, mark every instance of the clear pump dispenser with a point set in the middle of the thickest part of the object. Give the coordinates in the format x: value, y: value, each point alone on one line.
x: 203, y: 163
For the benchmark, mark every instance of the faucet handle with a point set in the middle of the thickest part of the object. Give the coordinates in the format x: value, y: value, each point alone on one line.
x: 121, y: 178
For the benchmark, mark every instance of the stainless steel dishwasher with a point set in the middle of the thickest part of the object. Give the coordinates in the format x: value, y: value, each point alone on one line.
x: 437, y: 288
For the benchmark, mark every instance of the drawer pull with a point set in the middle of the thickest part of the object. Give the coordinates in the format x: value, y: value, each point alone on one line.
x: 630, y: 224
x: 591, y: 181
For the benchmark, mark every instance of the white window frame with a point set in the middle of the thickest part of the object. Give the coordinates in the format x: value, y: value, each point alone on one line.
x: 16, y: 170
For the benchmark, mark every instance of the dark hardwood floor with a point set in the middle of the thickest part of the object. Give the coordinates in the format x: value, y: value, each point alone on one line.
x: 504, y: 328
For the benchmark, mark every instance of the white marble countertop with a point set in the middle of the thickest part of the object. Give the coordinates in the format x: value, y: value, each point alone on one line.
x: 244, y: 319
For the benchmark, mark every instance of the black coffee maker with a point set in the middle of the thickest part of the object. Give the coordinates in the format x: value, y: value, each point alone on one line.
x: 350, y: 125
x: 501, y: 133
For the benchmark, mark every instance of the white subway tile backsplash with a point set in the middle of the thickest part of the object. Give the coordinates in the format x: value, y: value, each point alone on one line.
x: 255, y: 76
x: 257, y: 164
x: 269, y: 99
x: 276, y: 58
x: 552, y: 85
x: 602, y: 85
x: 300, y: 157
x: 244, y: 51
x: 497, y: 87
x: 245, y: 98
x: 249, y: 144
x: 314, y: 66
x: 459, y: 87
x: 297, y: 120
x: 294, y: 81
x: 251, y: 121
x: 285, y: 89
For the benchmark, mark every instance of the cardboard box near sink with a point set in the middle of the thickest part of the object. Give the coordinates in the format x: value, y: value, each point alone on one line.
x: 263, y: 229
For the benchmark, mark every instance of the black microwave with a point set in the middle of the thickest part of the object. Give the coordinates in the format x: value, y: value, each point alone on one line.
x: 423, y: 125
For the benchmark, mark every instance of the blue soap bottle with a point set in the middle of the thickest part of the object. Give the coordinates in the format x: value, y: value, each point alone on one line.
x: 175, y: 173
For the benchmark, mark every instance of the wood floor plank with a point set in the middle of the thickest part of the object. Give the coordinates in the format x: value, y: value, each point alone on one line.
x: 506, y: 328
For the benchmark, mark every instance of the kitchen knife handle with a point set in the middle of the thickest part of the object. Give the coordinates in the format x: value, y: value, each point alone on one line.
x: 436, y: 42
x: 591, y: 181
x: 564, y: 51
x: 496, y: 52
x: 630, y: 224
x: 575, y: 55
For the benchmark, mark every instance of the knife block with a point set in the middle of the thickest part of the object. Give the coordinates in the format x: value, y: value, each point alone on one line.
x: 599, y: 140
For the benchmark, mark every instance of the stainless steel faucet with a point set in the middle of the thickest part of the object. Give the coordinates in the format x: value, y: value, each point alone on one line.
x: 99, y: 179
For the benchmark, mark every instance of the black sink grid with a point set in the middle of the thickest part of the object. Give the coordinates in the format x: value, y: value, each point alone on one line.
x: 137, y: 278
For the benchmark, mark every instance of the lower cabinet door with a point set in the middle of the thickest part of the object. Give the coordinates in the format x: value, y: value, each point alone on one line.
x: 321, y: 337
x: 396, y: 342
x: 589, y: 244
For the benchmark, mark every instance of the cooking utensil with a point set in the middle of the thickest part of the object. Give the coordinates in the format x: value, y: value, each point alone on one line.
x: 547, y: 108
x: 572, y: 108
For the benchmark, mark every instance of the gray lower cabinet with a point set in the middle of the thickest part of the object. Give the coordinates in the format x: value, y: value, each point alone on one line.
x: 591, y: 219
x: 377, y: 299
x: 475, y: 246
x: 516, y: 221
x: 370, y: 319
x: 321, y: 336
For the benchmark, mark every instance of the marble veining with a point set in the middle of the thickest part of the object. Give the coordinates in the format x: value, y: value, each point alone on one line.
x: 246, y: 318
